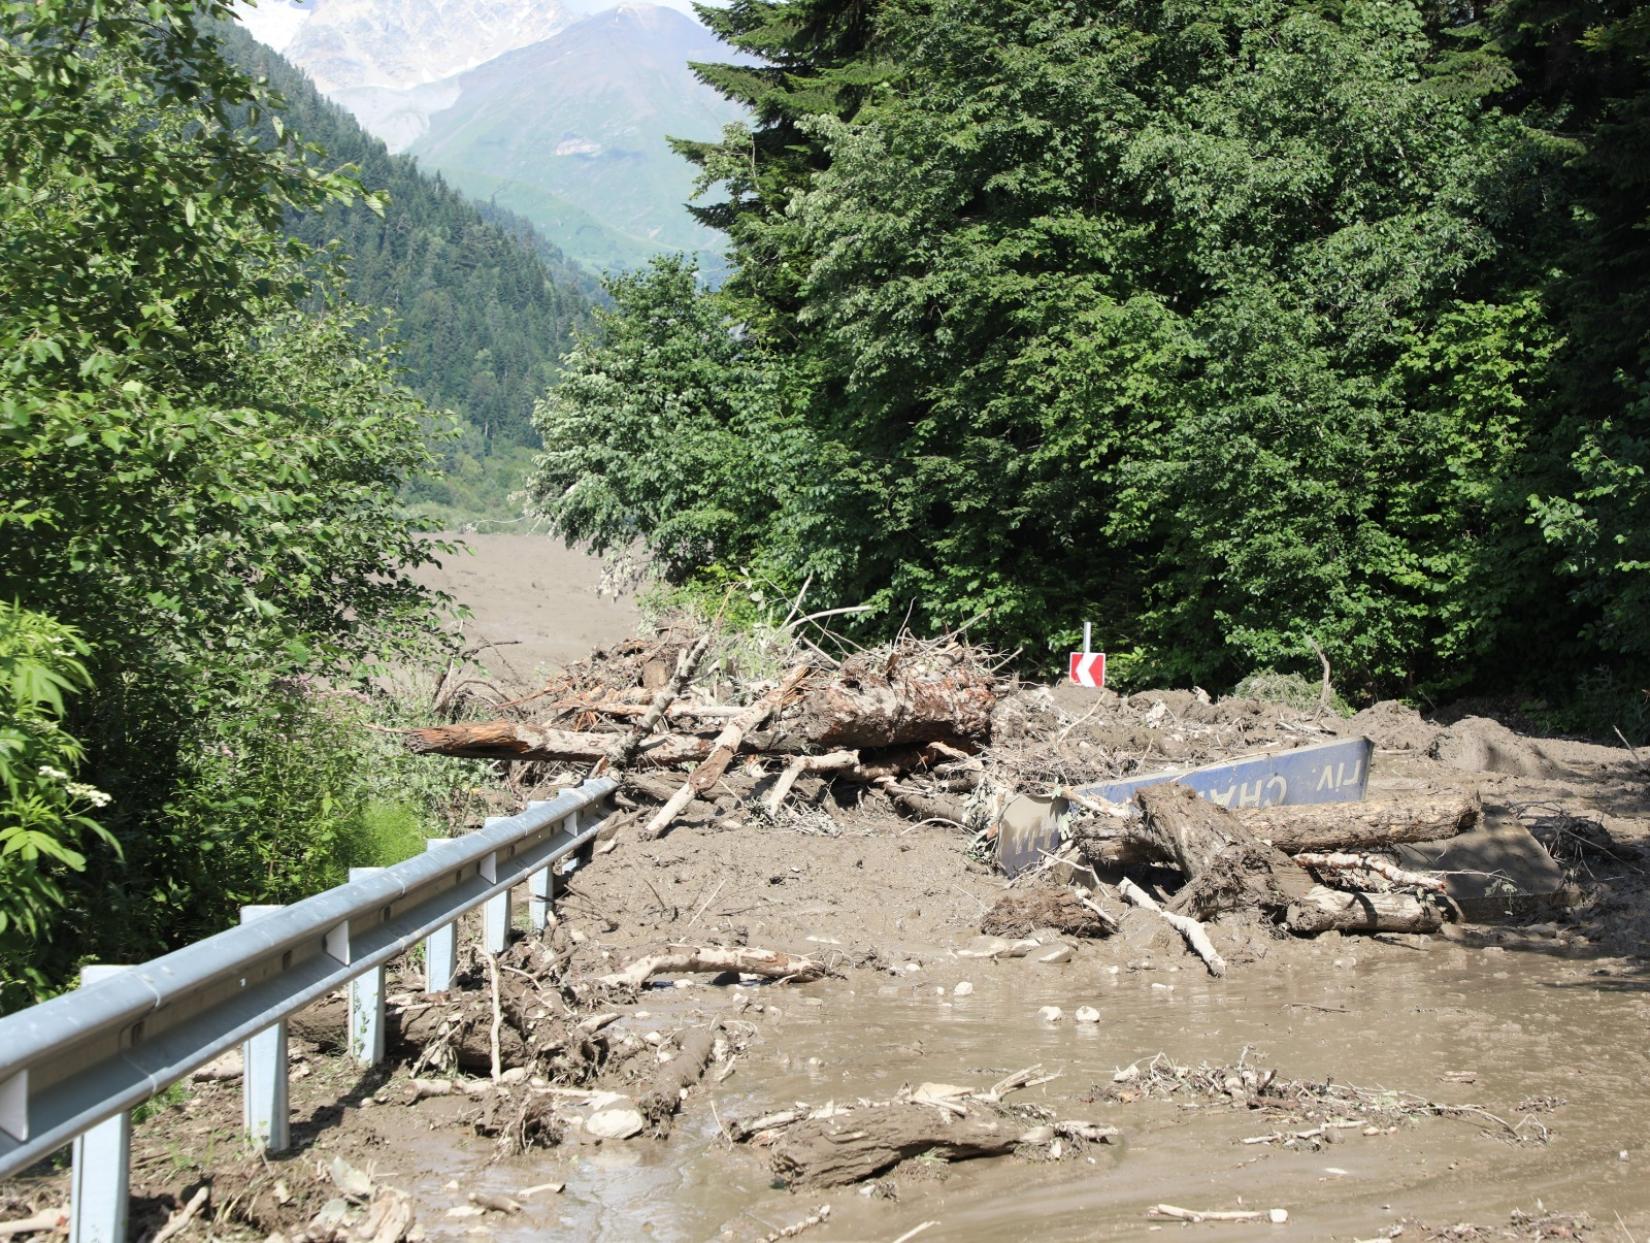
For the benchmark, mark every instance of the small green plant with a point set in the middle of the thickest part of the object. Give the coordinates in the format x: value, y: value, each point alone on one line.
x: 163, y: 1100
x: 1292, y: 690
x: 44, y: 810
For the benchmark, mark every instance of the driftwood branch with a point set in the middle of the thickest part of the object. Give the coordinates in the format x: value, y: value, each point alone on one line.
x: 1331, y: 910
x: 715, y: 959
x: 1192, y: 931
x: 850, y: 1147
x: 672, y: 1081
x: 835, y: 761
x: 686, y: 665
x: 1430, y: 881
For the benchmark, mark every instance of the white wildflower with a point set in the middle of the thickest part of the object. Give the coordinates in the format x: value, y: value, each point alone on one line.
x: 53, y: 774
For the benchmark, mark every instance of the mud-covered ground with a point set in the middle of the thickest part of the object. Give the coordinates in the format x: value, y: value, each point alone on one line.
x: 1492, y: 1081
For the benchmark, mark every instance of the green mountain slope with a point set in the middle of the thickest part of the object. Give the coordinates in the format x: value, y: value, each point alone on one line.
x: 571, y: 132
x: 484, y: 306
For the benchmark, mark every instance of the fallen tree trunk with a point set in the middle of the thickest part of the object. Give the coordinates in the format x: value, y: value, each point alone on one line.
x: 851, y: 1147
x: 1332, y: 910
x: 715, y: 959
x: 1226, y: 867
x: 664, y: 1096
x: 514, y: 740
x: 1316, y: 827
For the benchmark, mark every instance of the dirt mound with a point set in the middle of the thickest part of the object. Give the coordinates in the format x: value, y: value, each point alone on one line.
x: 1393, y: 726
x: 1476, y: 744
x: 1022, y: 911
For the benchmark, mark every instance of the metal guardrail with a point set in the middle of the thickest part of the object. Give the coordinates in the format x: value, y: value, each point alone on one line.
x: 72, y: 1068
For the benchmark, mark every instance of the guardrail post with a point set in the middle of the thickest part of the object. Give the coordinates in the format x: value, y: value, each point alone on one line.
x: 441, y: 946
x: 496, y: 915
x: 583, y: 819
x: 366, y: 1004
x: 265, y: 1115
x: 541, y: 887
x: 100, y: 1181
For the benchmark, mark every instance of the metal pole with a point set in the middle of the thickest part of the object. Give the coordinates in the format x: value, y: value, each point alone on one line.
x: 541, y: 887
x: 496, y: 914
x: 1088, y: 638
x: 366, y: 1003
x: 100, y: 1182
x: 441, y: 946
x: 265, y: 1115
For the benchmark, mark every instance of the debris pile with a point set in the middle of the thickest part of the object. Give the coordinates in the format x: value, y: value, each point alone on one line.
x: 933, y: 731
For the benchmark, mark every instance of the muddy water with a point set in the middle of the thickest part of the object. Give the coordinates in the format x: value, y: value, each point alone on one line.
x: 1412, y: 1017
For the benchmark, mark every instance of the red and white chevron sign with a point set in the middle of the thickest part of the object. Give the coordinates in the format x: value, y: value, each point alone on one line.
x: 1088, y: 668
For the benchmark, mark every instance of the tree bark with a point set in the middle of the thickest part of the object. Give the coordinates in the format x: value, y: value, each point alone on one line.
x: 1331, y: 910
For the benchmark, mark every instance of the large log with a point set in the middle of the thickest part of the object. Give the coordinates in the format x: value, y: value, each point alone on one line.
x: 1227, y: 868
x: 672, y: 1080
x: 1332, y: 910
x: 907, y: 698
x: 513, y: 740
x: 1318, y: 827
x: 851, y: 1147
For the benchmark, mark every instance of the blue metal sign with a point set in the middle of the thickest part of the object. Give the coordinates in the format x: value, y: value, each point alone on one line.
x: 1329, y: 772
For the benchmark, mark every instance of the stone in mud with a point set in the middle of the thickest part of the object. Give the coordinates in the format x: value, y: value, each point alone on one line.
x: 1087, y: 1014
x: 1051, y: 1014
x: 963, y: 989
x: 615, y: 1123
x: 997, y: 947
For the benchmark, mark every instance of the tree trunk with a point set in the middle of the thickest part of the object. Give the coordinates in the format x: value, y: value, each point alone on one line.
x: 664, y: 1096
x: 513, y: 740
x: 1331, y: 910
x: 928, y: 697
x: 851, y: 1147
x: 1318, y: 827
x: 1226, y: 867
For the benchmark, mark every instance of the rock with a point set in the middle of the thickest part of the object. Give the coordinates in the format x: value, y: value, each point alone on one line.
x: 1051, y: 1014
x: 1038, y: 1135
x: 1278, y: 1216
x: 1087, y: 1014
x: 963, y: 989
x: 997, y: 947
x: 1052, y: 957
x: 617, y: 1123
x: 352, y: 1182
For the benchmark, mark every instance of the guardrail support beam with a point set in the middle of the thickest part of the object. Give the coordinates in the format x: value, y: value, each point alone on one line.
x: 100, y: 1180
x: 496, y: 912
x: 265, y: 1112
x: 366, y: 1004
x: 441, y: 946
x: 541, y: 886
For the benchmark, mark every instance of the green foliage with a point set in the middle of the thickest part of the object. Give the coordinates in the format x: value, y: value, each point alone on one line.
x: 1238, y: 327
x: 44, y: 811
x: 1292, y: 690
x: 673, y: 428
x: 204, y: 447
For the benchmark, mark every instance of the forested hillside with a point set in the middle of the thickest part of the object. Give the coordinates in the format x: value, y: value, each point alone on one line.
x: 1243, y: 329
x: 483, y: 306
